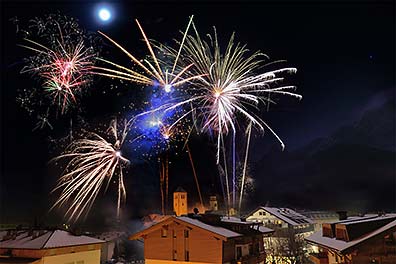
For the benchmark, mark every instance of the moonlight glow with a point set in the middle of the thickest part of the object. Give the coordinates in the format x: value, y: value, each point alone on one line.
x: 104, y: 14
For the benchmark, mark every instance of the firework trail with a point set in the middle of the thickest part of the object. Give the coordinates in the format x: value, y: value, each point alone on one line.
x: 155, y: 72
x: 229, y: 89
x: 92, y: 162
x: 249, y: 133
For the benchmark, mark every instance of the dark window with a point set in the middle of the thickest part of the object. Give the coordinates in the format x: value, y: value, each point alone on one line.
x: 238, y: 252
x: 250, y: 249
x: 186, y: 233
x: 182, y: 196
x: 187, y: 255
x: 174, y: 255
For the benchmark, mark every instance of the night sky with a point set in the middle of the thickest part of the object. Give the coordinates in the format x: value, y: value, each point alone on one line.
x: 340, y: 139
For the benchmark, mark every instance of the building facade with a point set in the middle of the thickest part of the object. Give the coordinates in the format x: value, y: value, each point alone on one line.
x: 203, y: 239
x: 48, y: 247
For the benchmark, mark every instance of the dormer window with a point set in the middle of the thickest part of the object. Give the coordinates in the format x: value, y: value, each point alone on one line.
x: 326, y: 231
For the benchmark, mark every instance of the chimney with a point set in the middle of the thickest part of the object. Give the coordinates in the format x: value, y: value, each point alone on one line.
x: 342, y: 215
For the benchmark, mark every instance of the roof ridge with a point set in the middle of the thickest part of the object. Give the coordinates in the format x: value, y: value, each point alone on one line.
x: 46, y: 241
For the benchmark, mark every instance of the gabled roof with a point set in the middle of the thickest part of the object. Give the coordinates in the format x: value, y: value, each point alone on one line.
x: 343, y: 246
x: 285, y: 214
x: 180, y: 189
x: 42, y: 239
x: 216, y: 230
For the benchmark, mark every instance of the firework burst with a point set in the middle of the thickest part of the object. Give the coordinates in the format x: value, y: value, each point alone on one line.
x: 229, y: 85
x: 65, y: 72
x: 92, y: 163
x: 61, y: 59
x: 229, y: 89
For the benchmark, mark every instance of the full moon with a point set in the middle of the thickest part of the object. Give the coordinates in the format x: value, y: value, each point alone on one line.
x: 104, y: 14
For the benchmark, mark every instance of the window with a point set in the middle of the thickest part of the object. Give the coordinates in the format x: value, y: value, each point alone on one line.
x: 182, y: 196
x: 174, y: 255
x: 173, y: 233
x: 250, y: 249
x: 186, y: 234
x: 164, y: 232
x: 238, y: 252
x: 187, y: 255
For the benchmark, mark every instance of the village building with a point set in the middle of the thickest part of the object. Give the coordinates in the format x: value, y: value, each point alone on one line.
x: 290, y: 228
x: 180, y: 205
x: 367, y: 239
x: 204, y: 238
x: 110, y: 247
x: 48, y: 247
x: 320, y: 217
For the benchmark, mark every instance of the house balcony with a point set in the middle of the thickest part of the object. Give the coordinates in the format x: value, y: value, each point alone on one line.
x: 319, y: 258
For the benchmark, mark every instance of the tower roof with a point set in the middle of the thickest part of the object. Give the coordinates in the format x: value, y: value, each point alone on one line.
x: 180, y: 189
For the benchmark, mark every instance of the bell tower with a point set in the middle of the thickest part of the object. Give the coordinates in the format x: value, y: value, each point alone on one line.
x: 180, y: 201
x: 213, y: 203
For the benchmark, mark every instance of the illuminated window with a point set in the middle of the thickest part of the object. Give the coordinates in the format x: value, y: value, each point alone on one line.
x: 164, y: 232
x: 174, y: 233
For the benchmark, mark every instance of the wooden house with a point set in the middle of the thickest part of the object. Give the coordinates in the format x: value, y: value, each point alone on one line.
x: 203, y: 239
x: 369, y: 239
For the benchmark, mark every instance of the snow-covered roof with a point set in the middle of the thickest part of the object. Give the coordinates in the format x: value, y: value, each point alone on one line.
x: 340, y: 245
x: 317, y: 215
x: 354, y: 218
x: 40, y: 239
x: 365, y: 220
x: 223, y: 232
x: 236, y: 220
x: 110, y: 236
x: 265, y: 230
x: 287, y: 215
x: 214, y: 229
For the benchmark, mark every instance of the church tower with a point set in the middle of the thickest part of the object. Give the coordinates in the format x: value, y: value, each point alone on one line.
x: 213, y: 203
x: 180, y: 202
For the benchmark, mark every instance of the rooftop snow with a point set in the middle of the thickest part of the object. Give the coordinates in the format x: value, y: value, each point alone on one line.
x: 341, y: 245
x: 214, y: 229
x: 288, y: 215
x: 45, y: 239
